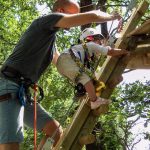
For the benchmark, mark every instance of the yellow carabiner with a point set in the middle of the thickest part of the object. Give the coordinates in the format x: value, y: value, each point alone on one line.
x: 99, y: 86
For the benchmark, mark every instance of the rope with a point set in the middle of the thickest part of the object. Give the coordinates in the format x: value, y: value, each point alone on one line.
x: 21, y: 95
x: 35, y: 117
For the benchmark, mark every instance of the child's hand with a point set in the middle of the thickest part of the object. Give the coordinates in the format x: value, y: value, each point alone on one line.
x: 124, y: 52
x: 117, y: 52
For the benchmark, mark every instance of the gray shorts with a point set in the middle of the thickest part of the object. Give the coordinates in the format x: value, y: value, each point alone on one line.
x: 13, y: 115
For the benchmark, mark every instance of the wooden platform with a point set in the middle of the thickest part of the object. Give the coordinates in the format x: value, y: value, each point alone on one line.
x: 143, y: 29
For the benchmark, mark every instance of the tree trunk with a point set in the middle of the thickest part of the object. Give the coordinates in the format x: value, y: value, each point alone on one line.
x: 86, y: 6
x: 101, y: 5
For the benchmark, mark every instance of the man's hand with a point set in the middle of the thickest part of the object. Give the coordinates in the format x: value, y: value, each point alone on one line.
x: 73, y: 20
x: 116, y: 15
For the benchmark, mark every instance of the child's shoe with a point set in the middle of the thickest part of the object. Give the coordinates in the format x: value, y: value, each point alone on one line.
x: 98, y: 102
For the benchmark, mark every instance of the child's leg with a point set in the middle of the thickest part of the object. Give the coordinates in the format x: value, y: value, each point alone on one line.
x: 95, y: 101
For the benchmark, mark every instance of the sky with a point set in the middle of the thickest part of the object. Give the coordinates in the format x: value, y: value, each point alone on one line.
x: 139, y: 74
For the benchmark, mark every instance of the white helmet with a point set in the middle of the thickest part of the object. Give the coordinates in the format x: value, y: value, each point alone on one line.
x: 89, y: 32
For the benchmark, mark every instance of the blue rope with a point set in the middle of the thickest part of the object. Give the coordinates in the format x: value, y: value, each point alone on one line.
x: 22, y: 95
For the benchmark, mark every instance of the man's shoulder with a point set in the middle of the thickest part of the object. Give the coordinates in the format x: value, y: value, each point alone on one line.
x: 53, y: 15
x: 48, y: 21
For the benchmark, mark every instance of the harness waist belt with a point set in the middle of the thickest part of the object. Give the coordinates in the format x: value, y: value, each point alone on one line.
x: 14, y: 75
x: 10, y: 72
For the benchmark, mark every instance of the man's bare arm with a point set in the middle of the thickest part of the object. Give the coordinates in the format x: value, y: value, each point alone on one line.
x: 72, y: 20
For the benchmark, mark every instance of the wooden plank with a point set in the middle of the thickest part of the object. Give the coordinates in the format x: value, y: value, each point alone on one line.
x: 112, y: 67
x: 82, y: 121
x: 139, y: 62
x: 142, y: 49
x: 141, y: 59
x: 132, y: 23
x: 91, y: 120
x: 143, y: 29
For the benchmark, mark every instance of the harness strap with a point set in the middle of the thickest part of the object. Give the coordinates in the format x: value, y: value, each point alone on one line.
x: 89, y: 61
x: 22, y: 95
x: 15, y: 76
x: 12, y: 74
x: 81, y: 66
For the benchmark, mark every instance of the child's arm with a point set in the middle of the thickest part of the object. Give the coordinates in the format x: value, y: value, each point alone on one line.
x: 106, y: 50
x: 117, y: 52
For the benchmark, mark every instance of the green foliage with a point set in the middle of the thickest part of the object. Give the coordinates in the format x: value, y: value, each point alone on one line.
x: 129, y: 101
x: 130, y: 104
x: 15, y: 16
x: 57, y: 91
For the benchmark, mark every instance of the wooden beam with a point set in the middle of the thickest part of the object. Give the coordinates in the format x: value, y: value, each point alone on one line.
x: 142, y: 49
x: 141, y: 57
x: 143, y: 29
x: 139, y: 62
x: 72, y: 131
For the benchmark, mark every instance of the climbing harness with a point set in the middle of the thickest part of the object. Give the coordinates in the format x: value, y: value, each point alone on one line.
x: 79, y: 89
x: 24, y: 94
x: 89, y: 61
x: 89, y: 68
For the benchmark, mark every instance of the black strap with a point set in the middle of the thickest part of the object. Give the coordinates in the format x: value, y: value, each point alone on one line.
x: 15, y: 76
x: 10, y: 72
x: 5, y: 97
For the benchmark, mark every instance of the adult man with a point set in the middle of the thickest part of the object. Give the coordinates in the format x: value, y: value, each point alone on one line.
x: 30, y: 58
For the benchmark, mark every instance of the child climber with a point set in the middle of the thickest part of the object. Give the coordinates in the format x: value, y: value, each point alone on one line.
x: 77, y: 62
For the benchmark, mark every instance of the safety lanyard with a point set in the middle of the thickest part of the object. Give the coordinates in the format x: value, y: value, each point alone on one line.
x: 89, y: 61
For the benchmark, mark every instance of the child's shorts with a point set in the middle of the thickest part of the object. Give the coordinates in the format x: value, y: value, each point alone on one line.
x: 68, y: 68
